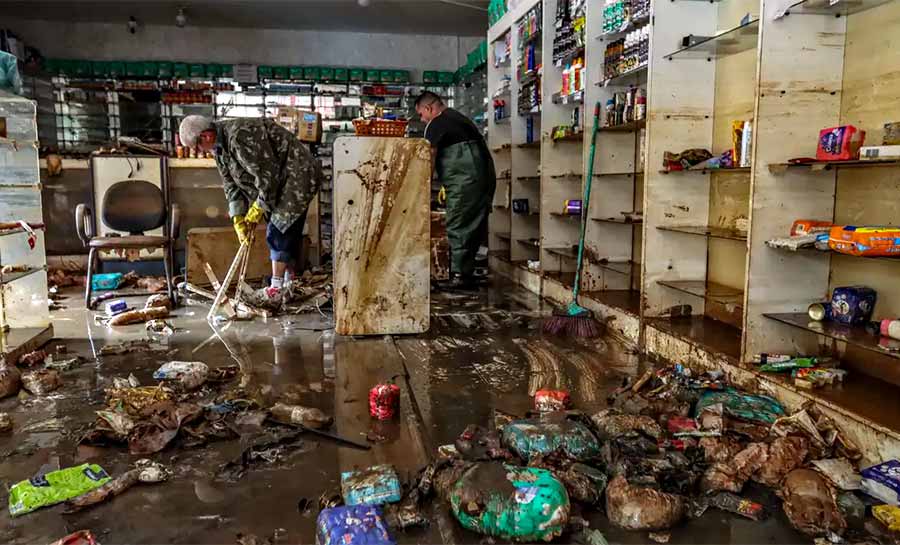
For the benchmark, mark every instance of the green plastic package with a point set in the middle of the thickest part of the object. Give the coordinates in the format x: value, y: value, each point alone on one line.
x: 54, y: 487
x: 540, y: 437
x: 791, y: 364
x: 509, y: 502
x: 754, y: 408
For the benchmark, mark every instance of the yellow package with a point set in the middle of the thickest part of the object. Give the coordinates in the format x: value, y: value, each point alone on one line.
x: 737, y: 136
x: 889, y: 515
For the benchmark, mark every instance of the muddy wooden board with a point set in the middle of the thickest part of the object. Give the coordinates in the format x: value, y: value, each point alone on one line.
x: 381, y: 235
x: 218, y: 246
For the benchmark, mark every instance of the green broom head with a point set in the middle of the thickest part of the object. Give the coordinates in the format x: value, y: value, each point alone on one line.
x: 574, y: 310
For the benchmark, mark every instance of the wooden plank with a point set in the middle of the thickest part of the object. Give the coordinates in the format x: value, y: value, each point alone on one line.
x: 381, y: 238
x: 217, y: 246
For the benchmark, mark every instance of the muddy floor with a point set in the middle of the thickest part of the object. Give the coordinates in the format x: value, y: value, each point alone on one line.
x: 484, y: 351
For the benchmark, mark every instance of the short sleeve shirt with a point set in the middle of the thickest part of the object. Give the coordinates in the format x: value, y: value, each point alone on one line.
x: 449, y: 128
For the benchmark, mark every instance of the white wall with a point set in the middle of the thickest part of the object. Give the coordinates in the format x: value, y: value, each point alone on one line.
x: 107, y: 41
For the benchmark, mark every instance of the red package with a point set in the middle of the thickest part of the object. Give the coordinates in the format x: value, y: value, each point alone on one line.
x: 546, y: 401
x: 840, y: 143
x: 681, y: 424
x: 384, y: 400
x: 805, y: 227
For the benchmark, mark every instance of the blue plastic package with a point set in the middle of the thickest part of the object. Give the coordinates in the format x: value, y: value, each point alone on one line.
x: 755, y: 408
x: 537, y: 437
x: 373, y: 486
x: 353, y: 525
x: 106, y: 281
x: 852, y: 305
x: 883, y: 481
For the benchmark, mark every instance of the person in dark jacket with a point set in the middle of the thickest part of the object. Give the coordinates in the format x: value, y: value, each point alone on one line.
x: 465, y: 167
x: 267, y: 173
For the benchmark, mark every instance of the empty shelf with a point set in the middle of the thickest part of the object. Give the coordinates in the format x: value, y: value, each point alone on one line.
x: 830, y: 7
x: 705, y: 231
x: 738, y: 39
x: 854, y: 335
x: 625, y: 127
x: 529, y: 178
x: 529, y: 145
x: 567, y: 252
x: 534, y: 243
x: 778, y: 168
x: 706, y: 170
x: 710, y: 291
x: 6, y: 278
x: 623, y: 221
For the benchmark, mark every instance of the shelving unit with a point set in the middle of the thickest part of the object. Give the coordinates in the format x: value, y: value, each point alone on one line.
x: 24, y: 312
x: 791, y: 68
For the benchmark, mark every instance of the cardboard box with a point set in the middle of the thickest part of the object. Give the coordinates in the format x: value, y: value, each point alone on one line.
x: 874, y: 153
x: 309, y: 127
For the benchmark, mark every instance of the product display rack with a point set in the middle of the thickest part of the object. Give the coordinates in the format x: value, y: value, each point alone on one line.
x: 788, y: 68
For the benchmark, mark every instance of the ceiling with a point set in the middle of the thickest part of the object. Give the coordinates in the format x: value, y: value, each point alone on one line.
x: 394, y: 16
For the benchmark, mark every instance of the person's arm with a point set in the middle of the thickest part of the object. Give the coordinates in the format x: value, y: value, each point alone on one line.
x: 237, y: 201
x: 253, y: 151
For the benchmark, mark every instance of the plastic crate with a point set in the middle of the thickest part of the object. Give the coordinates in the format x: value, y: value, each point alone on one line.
x: 134, y: 69
x: 213, y: 70
x: 281, y: 72
x: 165, y: 69
x: 296, y: 72
x: 430, y: 76
x: 386, y: 76
x: 373, y: 76
x: 100, y: 69
x: 264, y: 72
x: 180, y: 70
x: 197, y: 70
x: 311, y: 73
x: 357, y: 74
x: 149, y: 69
x: 326, y: 74
x: 227, y: 70
x: 379, y: 127
x: 401, y: 76
x: 341, y: 74
x: 446, y: 77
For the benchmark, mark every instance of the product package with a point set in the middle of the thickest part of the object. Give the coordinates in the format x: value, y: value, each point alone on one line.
x: 54, y: 487
x: 520, y: 206
x: 106, y: 281
x: 551, y: 400
x: 883, y: 481
x: 808, y: 227
x: 573, y: 207
x: 353, y: 525
x: 865, y: 241
x: 373, y: 486
x: 840, y: 143
x: 852, y: 305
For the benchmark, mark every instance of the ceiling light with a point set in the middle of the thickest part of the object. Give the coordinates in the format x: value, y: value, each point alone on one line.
x: 181, y: 18
x: 364, y: 3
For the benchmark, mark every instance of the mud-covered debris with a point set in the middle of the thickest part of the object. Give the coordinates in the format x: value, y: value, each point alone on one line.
x: 810, y: 504
x: 500, y: 419
x: 145, y: 471
x: 272, y: 446
x: 133, y: 400
x: 584, y: 483
x: 477, y: 443
x: 840, y: 472
x: 353, y: 525
x: 542, y: 437
x: 754, y: 408
x: 372, y: 486
x: 183, y: 375
x: 611, y: 424
x: 10, y: 380
x: 784, y: 455
x: 55, y: 487
x: 62, y: 364
x: 81, y: 537
x: 130, y: 347
x: 732, y: 474
x: 733, y: 503
x: 118, y: 424
x: 41, y: 382
x: 309, y: 417
x: 35, y: 357
x: 548, y: 401
x: 660, y: 537
x: 720, y: 449
x: 138, y: 316
x: 158, y: 300
x: 853, y: 510
x: 161, y: 327
x: 223, y: 373
x: 6, y: 423
x: 130, y: 382
x: 159, y: 425
x: 404, y: 515
x: 638, y: 508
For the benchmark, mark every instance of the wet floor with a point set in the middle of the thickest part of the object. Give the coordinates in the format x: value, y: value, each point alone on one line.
x: 484, y: 352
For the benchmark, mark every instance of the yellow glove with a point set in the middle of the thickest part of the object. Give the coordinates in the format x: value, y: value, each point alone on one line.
x: 442, y: 195
x: 255, y: 214
x: 242, y: 228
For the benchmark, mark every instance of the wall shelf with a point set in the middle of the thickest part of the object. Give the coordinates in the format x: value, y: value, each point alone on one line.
x: 529, y: 179
x: 738, y: 39
x: 710, y: 291
x: 706, y: 170
x: 566, y: 252
x: 624, y: 77
x: 529, y: 145
x: 831, y: 7
x: 574, y: 98
x: 534, y: 243
x: 7, y: 278
x: 705, y: 231
x: 779, y: 168
x: 622, y: 221
x: 575, y: 137
x: 854, y: 335
x: 625, y: 127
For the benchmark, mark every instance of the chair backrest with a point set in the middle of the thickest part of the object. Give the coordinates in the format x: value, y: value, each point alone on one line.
x: 134, y: 206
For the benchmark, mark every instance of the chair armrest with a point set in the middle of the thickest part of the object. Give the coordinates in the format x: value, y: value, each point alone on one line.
x: 84, y: 223
x: 175, y: 222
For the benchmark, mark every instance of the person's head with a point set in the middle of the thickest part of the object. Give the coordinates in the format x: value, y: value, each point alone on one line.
x: 429, y: 106
x: 197, y: 131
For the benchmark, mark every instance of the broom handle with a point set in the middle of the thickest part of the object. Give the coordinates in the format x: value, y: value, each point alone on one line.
x: 220, y: 296
x: 586, y: 202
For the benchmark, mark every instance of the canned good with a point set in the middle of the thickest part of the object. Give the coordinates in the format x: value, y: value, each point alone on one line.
x: 819, y: 311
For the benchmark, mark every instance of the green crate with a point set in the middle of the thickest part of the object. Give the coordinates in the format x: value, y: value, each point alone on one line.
x: 430, y: 76
x: 50, y: 66
x: 264, y: 72
x: 296, y: 72
x: 134, y: 69
x: 180, y: 70
x: 372, y: 76
x: 197, y: 70
x: 65, y: 67
x: 357, y: 74
x: 227, y: 70
x: 326, y: 73
x: 212, y: 70
x: 149, y: 69
x: 401, y: 76
x: 281, y: 72
x: 341, y: 74
x: 165, y: 69
x: 386, y: 76
x: 116, y: 69
x: 100, y: 69
x: 445, y: 77
x: 311, y: 73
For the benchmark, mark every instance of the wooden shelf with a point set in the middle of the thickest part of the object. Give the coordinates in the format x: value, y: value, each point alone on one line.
x: 502, y: 236
x: 500, y: 207
x: 738, y: 39
x: 853, y: 335
x: 628, y: 301
x: 21, y: 340
x: 534, y: 243
x: 529, y: 145
x: 710, y: 291
x: 566, y: 252
x: 570, y: 176
x: 706, y: 170
x: 565, y: 216
x: 625, y: 127
x: 529, y: 179
x: 624, y: 77
x: 704, y: 332
x: 621, y: 221
x: 705, y: 231
x: 573, y: 98
x: 575, y: 137
x: 625, y: 268
x: 778, y: 168
x: 7, y: 278
x: 566, y: 279
x: 605, y: 174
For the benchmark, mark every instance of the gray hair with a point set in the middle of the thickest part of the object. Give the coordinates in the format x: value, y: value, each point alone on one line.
x: 191, y: 127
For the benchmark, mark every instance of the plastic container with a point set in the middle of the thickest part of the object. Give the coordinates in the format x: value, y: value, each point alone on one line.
x: 353, y: 525
x: 281, y: 72
x: 890, y: 328
x: 197, y: 70
x: 373, y: 486
x: 372, y: 75
x: 311, y: 73
x: 106, y: 281
x: 357, y: 74
x: 852, y: 305
x: 341, y: 74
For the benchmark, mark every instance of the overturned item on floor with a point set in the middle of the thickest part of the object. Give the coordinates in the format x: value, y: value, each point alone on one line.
x: 6, y: 423
x: 138, y: 316
x: 145, y: 472
x: 642, y: 508
x: 308, y: 417
x: 184, y: 375
x: 384, y: 401
x: 548, y: 401
x: 55, y: 487
x: 41, y: 382
x: 541, y: 437
x: 883, y: 481
x: 810, y: 504
x: 81, y: 537
x: 509, y: 502
x: 353, y: 525
x: 373, y: 486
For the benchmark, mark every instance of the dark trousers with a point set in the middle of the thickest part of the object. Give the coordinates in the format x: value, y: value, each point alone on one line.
x: 285, y: 247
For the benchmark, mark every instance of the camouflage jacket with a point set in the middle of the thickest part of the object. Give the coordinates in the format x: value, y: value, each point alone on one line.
x: 261, y: 161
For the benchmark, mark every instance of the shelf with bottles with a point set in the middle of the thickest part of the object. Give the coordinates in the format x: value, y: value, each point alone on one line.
x: 627, y: 54
x: 625, y: 110
x: 568, y: 42
x: 620, y: 16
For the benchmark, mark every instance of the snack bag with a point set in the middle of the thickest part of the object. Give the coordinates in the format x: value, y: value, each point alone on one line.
x: 840, y: 143
x: 865, y: 241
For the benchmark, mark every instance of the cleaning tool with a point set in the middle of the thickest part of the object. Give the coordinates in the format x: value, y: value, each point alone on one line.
x: 576, y: 320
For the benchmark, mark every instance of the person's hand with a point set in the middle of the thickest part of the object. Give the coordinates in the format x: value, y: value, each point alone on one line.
x: 242, y: 228
x: 255, y: 214
x: 442, y: 195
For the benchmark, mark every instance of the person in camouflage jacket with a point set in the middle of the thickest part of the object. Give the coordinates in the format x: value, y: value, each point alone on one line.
x: 266, y: 172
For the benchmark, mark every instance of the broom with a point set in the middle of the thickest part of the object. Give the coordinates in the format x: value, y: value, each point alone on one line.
x: 574, y: 319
